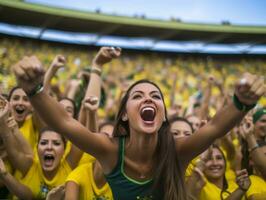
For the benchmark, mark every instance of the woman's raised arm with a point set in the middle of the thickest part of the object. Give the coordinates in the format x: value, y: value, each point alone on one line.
x: 29, y: 74
x: 247, y: 92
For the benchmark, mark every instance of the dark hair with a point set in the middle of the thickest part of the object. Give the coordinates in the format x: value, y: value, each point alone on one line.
x: 45, y: 129
x: 73, y: 103
x: 12, y: 91
x: 181, y: 119
x: 245, y: 157
x: 168, y: 176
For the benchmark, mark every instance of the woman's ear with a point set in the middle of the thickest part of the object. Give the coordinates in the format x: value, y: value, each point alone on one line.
x: 164, y: 118
x: 124, y: 117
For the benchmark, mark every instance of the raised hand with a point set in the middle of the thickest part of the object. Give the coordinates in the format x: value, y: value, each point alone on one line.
x: 56, y: 193
x: 246, y: 127
x: 4, y: 111
x: 206, y: 155
x: 105, y: 55
x: 91, y: 103
x: 58, y: 62
x: 201, y: 182
x: 29, y: 73
x: 11, y: 123
x: 242, y: 179
x: 250, y: 88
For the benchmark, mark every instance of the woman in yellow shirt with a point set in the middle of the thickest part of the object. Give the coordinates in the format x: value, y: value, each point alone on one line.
x: 216, y: 186
x: 48, y: 170
x: 11, y: 137
x: 29, y: 124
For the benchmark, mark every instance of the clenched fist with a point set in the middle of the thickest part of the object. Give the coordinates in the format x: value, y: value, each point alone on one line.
x: 105, y: 55
x: 250, y: 88
x: 58, y: 62
x: 91, y: 103
x: 29, y: 73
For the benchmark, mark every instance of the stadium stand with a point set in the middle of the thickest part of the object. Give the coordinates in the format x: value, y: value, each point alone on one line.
x: 191, y: 70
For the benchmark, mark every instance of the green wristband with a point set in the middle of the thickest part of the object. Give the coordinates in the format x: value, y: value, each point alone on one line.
x: 35, y: 90
x: 240, y: 106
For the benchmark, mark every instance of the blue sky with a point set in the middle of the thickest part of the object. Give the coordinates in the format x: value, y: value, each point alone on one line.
x: 251, y: 12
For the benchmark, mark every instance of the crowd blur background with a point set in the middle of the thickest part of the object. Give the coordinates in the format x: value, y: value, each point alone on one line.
x: 190, y: 70
x: 188, y: 80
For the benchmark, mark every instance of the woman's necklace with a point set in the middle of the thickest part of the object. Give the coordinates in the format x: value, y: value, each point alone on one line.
x: 140, y: 171
x: 142, y: 176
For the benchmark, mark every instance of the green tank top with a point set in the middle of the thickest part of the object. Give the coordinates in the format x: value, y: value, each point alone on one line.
x: 124, y: 187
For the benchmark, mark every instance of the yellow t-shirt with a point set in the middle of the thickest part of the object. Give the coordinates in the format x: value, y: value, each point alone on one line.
x: 37, y: 182
x: 86, y: 158
x: 212, y: 192
x: 30, y: 132
x: 257, y: 188
x: 83, y: 176
x: 191, y: 167
x: 67, y: 148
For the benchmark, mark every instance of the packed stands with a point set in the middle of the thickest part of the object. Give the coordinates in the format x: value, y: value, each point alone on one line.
x: 192, y: 71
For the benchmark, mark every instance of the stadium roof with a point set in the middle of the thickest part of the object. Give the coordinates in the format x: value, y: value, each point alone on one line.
x: 21, y: 13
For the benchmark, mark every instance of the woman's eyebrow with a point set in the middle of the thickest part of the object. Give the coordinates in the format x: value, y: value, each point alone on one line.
x: 155, y: 91
x: 137, y: 91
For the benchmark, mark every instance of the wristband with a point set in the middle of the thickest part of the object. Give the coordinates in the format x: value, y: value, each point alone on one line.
x: 253, y: 148
x: 36, y: 90
x: 96, y: 70
x: 240, y: 106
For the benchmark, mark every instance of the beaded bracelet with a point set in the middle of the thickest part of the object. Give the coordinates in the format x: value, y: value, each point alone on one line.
x: 96, y: 70
x: 36, y: 90
x: 240, y: 106
x: 253, y: 148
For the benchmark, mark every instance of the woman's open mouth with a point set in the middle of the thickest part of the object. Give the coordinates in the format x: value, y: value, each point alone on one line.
x: 20, y: 110
x: 148, y: 114
x: 48, y: 160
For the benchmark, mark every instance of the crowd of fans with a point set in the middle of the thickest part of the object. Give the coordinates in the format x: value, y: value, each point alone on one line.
x: 37, y: 162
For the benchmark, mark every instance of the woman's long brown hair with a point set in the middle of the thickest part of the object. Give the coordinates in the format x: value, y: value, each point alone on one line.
x: 168, y: 177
